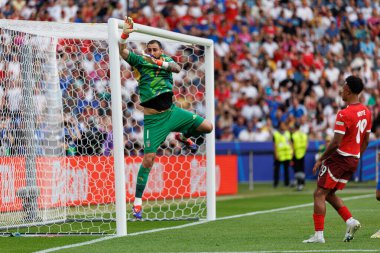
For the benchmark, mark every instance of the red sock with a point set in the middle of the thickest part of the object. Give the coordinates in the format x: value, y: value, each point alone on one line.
x: 319, y: 222
x: 344, y: 213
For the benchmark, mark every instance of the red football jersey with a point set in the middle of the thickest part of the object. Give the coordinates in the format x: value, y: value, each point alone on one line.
x: 354, y: 122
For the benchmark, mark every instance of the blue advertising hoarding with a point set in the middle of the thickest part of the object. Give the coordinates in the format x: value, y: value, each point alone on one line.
x: 261, y: 155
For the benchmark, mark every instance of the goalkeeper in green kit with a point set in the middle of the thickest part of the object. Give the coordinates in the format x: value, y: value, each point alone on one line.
x: 154, y: 74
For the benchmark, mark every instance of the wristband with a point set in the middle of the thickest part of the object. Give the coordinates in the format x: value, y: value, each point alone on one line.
x: 378, y: 186
x: 123, y: 38
x: 165, y: 65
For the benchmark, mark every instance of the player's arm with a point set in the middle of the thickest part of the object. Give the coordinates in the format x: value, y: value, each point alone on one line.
x: 127, y: 29
x: 331, y: 148
x: 123, y: 50
x: 173, y: 67
x: 364, y: 144
x: 367, y: 134
x: 170, y: 66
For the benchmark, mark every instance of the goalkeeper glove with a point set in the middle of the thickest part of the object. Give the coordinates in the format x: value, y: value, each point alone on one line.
x: 127, y: 29
x: 159, y: 62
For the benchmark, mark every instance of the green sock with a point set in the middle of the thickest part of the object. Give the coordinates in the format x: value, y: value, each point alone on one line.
x: 142, y: 179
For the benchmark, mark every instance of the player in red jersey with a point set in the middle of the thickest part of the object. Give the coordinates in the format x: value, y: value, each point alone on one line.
x: 340, y: 160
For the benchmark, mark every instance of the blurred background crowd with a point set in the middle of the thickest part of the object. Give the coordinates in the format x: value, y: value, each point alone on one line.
x: 275, y: 61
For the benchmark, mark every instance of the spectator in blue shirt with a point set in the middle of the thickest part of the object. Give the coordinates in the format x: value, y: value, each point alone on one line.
x: 368, y: 47
x: 354, y: 47
x: 238, y: 126
x: 323, y: 47
x: 333, y: 30
x: 297, y: 109
x: 360, y: 21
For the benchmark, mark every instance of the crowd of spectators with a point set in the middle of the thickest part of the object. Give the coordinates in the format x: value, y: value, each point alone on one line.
x: 274, y: 60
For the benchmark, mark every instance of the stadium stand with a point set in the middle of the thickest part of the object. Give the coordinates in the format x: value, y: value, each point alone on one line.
x: 285, y: 66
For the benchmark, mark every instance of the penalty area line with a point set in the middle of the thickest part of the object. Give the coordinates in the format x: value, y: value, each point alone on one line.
x: 205, y: 221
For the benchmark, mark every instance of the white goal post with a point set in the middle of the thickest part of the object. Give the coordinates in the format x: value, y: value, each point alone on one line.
x: 67, y: 161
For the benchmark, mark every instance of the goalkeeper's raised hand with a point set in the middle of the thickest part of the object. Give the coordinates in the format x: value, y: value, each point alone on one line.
x: 127, y: 29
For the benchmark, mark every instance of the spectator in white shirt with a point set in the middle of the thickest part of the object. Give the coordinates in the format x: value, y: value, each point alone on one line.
x: 280, y: 74
x: 195, y: 9
x: 71, y: 10
x: 304, y: 12
x: 55, y: 10
x: 270, y: 46
x: 332, y: 72
x: 315, y: 74
x: 254, y: 44
x: 248, y: 134
x: 221, y: 47
x: 251, y: 110
x: 304, y: 45
x: 249, y: 90
x: 119, y: 11
x: 262, y: 133
x: 366, y: 10
x: 149, y: 9
x: 336, y: 46
x: 352, y: 12
x: 275, y: 10
x: 289, y: 10
x: 181, y: 8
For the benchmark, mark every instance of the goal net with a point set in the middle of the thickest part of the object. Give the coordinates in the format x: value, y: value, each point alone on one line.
x: 61, y: 143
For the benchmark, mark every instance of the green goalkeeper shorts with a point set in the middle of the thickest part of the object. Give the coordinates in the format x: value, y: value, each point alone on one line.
x: 158, y: 126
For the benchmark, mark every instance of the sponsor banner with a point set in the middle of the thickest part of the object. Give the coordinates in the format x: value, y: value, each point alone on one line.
x: 12, y: 178
x: 226, y: 174
x: 86, y: 180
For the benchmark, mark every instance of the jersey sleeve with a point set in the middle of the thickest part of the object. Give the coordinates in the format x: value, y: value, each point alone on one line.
x: 167, y: 58
x: 340, y: 123
x: 134, y: 59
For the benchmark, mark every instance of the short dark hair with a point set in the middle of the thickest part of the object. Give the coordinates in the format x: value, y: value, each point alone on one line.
x: 155, y: 41
x: 355, y: 84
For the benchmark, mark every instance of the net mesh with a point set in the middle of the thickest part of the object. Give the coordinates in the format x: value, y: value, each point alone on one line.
x: 56, y: 154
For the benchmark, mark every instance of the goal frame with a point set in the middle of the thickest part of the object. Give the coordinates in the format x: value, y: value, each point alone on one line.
x: 111, y: 33
x: 113, y: 37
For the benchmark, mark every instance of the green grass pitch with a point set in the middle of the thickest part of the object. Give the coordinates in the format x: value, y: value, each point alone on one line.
x: 280, y: 230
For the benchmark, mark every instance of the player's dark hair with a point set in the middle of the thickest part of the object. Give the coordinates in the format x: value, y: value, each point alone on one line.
x: 355, y: 84
x: 155, y: 41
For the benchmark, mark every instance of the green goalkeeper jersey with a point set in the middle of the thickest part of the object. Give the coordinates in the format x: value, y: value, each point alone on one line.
x: 152, y: 79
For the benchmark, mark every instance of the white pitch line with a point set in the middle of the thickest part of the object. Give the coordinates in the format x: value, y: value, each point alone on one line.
x: 286, y: 208
x: 205, y: 221
x: 313, y: 250
x: 77, y: 244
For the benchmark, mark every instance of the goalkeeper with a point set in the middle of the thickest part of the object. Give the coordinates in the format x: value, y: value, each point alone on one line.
x: 154, y: 74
